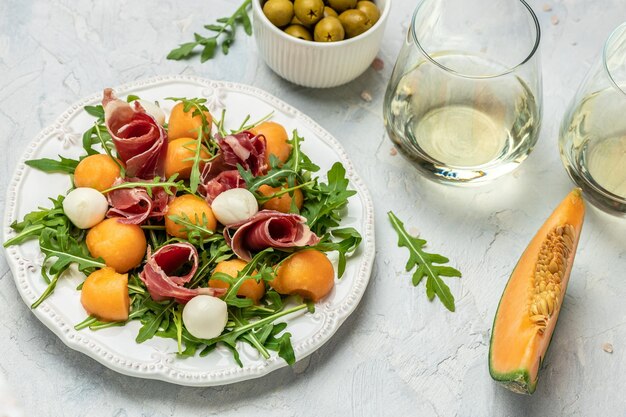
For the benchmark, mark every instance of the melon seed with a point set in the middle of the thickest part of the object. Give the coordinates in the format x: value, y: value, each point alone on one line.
x: 553, y: 267
x: 549, y: 271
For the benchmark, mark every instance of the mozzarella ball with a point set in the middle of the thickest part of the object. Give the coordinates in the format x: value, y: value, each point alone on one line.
x: 205, y: 316
x: 153, y: 110
x: 234, y: 206
x: 85, y: 207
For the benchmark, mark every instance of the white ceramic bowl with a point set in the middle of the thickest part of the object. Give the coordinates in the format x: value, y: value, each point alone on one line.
x: 317, y: 64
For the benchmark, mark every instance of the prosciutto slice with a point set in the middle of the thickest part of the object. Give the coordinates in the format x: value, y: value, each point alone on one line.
x: 226, y: 180
x: 269, y: 229
x: 244, y: 149
x: 158, y: 273
x: 134, y: 205
x: 139, y: 139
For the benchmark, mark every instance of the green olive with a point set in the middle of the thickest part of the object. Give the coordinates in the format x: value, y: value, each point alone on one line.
x: 370, y: 10
x: 296, y: 21
x: 330, y: 12
x: 279, y: 12
x: 329, y: 29
x: 299, y: 31
x: 342, y: 5
x: 354, y: 22
x: 309, y: 12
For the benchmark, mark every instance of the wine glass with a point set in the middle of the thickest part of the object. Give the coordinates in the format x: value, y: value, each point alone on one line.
x: 592, y: 139
x: 464, y: 100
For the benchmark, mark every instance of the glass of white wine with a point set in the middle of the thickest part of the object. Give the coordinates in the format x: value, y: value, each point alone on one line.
x: 464, y: 100
x: 593, y: 133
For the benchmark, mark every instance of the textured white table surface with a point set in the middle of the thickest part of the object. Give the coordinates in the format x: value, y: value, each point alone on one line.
x: 398, y: 354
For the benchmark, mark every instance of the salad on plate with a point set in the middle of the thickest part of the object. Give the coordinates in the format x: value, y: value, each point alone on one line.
x: 206, y: 234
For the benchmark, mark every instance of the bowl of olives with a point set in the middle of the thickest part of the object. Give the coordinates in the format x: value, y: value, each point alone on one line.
x: 319, y: 43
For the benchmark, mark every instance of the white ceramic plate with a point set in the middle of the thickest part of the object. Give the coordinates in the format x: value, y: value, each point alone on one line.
x: 155, y: 358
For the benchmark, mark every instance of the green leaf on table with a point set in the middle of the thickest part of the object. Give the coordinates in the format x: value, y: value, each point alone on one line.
x: 183, y: 51
x: 208, y: 51
x: 428, y: 265
x: 214, y: 28
x: 245, y: 21
x: 225, y: 27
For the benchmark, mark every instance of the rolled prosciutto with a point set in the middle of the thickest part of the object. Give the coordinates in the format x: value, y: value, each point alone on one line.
x: 158, y: 273
x: 269, y: 229
x: 226, y: 180
x: 245, y: 149
x: 140, y: 141
x: 134, y: 205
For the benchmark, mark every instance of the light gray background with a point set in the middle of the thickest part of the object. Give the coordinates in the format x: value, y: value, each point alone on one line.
x: 397, y: 354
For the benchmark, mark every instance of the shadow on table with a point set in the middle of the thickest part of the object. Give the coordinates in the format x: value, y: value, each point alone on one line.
x: 612, y: 227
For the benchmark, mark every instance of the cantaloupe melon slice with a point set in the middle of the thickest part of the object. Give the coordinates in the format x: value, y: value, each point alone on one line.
x: 532, y: 299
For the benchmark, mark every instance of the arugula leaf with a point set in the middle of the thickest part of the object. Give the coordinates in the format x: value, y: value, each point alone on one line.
x: 154, y: 319
x: 64, y: 165
x: 35, y: 222
x: 323, y: 203
x: 103, y: 141
x: 170, y: 185
x: 95, y: 111
x: 281, y: 344
x: 178, y: 324
x: 59, y: 245
x: 98, y: 134
x: 298, y: 160
x: 183, y: 51
x: 246, y: 273
x: 195, y: 177
x: 275, y: 177
x: 131, y: 97
x: 350, y: 240
x: 425, y: 263
x: 227, y: 28
x: 63, y: 249
x: 246, y: 124
x: 247, y: 333
x: 197, y: 230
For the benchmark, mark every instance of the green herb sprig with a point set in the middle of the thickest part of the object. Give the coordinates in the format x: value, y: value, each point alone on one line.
x: 225, y: 27
x: 426, y: 265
